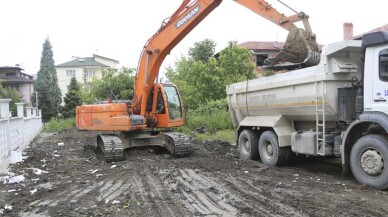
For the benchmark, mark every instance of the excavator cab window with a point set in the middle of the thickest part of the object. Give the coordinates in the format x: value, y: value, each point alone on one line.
x: 173, y: 102
x: 160, y: 104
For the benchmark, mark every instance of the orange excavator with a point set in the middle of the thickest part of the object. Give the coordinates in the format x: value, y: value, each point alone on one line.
x: 156, y: 106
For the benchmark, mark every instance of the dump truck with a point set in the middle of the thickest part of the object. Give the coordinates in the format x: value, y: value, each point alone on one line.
x: 337, y: 108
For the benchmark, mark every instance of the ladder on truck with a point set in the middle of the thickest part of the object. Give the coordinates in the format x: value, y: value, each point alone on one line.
x: 320, y: 117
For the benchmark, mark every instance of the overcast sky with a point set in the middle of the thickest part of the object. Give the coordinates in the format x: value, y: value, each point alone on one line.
x: 118, y: 29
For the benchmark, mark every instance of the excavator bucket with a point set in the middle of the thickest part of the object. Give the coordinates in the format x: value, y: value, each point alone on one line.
x: 300, y: 48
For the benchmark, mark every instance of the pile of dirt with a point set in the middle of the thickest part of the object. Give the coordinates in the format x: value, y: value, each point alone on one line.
x: 300, y: 48
x: 212, y: 181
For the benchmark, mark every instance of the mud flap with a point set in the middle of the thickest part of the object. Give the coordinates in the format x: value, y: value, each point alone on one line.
x: 300, y: 48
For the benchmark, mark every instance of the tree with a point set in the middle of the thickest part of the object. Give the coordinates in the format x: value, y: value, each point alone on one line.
x: 202, y: 81
x: 72, y: 99
x: 121, y: 83
x: 49, y: 94
x: 8, y: 93
x: 202, y: 50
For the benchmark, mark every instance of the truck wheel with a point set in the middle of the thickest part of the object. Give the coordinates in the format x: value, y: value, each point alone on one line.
x: 269, y: 150
x: 369, y: 159
x: 247, y: 144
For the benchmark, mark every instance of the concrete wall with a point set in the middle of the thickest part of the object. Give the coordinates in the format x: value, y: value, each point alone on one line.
x: 16, y: 133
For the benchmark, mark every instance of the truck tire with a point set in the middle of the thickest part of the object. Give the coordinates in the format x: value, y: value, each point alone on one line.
x: 270, y: 152
x: 369, y: 161
x: 247, y: 144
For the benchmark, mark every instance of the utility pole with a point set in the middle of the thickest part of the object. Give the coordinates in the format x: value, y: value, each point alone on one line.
x: 36, y: 95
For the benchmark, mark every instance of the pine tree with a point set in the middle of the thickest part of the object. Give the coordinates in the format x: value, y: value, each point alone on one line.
x: 49, y: 94
x: 72, y: 99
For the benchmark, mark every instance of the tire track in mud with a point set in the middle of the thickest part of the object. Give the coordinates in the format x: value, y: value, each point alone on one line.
x: 269, y: 202
x: 199, y: 194
x: 141, y: 188
x: 209, y: 194
x: 149, y: 190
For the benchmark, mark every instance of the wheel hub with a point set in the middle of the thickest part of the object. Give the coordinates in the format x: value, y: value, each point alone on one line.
x: 372, y: 162
x: 247, y: 146
x: 269, y: 149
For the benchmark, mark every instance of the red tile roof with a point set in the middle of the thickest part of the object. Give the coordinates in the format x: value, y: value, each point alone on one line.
x: 262, y: 45
x: 381, y: 28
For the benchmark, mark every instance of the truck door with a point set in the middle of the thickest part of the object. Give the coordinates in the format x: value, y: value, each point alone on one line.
x: 380, y: 80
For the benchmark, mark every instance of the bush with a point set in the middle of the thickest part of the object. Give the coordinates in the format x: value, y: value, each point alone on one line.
x: 266, y: 73
x: 9, y: 93
x: 59, y: 125
x: 213, y: 115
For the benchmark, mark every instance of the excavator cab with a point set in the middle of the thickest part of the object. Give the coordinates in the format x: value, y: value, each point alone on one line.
x: 164, y: 107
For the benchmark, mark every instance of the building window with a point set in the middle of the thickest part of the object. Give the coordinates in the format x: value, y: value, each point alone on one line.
x: 70, y: 73
x: 90, y: 73
x: 260, y: 59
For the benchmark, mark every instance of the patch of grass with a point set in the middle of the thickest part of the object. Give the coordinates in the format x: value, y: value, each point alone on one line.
x: 213, y: 122
x: 222, y: 135
x: 267, y: 72
x: 59, y: 125
x: 214, y: 118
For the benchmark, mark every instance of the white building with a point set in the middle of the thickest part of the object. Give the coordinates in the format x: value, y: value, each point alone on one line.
x: 13, y: 77
x: 84, y: 69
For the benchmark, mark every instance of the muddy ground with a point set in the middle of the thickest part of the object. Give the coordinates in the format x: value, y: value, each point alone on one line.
x: 212, y: 181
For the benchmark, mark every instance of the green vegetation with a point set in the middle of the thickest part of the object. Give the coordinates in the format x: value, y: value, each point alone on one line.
x: 268, y: 73
x: 72, y: 99
x: 49, y: 94
x: 9, y: 93
x: 213, y: 118
x: 222, y: 135
x: 120, y: 81
x: 202, y: 79
x: 59, y: 125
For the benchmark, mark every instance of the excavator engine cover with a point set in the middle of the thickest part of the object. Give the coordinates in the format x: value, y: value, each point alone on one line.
x: 300, y: 48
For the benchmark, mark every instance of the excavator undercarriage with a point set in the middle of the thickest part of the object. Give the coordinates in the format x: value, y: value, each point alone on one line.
x: 111, y: 147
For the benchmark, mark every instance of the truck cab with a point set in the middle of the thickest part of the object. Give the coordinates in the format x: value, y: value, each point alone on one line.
x: 376, y: 79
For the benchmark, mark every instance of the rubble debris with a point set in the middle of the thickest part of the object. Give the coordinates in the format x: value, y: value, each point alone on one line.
x: 33, y: 191
x: 115, y: 202
x: 7, y: 207
x: 17, y: 157
x: 12, y: 180
x: 37, y: 171
x: 201, y: 130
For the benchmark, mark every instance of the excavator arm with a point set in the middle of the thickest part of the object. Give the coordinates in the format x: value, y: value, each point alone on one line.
x: 171, y: 32
x: 190, y: 14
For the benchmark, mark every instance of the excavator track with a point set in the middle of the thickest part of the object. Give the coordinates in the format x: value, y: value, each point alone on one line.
x: 182, y: 144
x: 111, y: 148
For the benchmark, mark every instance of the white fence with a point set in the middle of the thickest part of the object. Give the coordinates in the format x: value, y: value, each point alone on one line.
x: 16, y: 133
